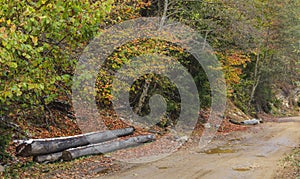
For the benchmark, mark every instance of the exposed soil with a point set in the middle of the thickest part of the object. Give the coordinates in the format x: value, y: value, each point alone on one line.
x: 255, y: 153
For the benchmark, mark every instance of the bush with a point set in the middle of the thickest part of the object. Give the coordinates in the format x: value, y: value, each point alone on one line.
x: 39, y: 45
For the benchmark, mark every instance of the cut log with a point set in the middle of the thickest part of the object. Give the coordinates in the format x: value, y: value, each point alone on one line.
x: 35, y: 147
x: 246, y: 122
x: 251, y: 122
x: 47, y: 158
x: 106, y: 147
x: 235, y: 122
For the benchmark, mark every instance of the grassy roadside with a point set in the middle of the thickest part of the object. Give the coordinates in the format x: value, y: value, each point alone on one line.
x: 289, y: 166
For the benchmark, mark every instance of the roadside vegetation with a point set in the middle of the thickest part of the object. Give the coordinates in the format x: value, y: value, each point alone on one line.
x: 289, y: 167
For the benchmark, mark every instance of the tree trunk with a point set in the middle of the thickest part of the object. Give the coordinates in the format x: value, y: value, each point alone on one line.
x: 102, y: 148
x: 142, y: 99
x: 48, y: 157
x: 34, y: 147
x: 256, y: 78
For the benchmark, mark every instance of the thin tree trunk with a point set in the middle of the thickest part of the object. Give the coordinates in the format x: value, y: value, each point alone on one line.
x: 256, y: 70
x: 142, y: 99
x: 164, y: 15
x: 256, y: 78
x: 205, y: 39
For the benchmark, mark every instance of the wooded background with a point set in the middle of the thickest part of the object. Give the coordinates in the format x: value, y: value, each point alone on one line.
x: 257, y: 41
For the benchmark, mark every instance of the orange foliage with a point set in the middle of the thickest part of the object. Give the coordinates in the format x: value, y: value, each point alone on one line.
x: 233, y: 64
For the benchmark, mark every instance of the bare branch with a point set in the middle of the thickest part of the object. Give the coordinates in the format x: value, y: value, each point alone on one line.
x: 164, y: 16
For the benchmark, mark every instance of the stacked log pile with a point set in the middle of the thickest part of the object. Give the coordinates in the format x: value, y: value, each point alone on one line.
x: 68, y: 148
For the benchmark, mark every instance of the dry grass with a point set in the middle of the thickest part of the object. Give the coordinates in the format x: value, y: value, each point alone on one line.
x: 289, y: 167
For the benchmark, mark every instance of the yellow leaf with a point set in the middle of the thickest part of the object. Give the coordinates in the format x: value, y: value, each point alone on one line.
x: 8, y: 22
x: 49, y: 6
x: 4, y: 43
x: 34, y: 39
x: 13, y: 28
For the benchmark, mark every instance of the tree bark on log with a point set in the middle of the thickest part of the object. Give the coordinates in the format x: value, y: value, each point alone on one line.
x: 106, y: 147
x: 35, y: 147
x: 48, y: 157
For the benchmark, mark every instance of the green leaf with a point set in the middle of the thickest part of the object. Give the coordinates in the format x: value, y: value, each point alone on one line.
x: 13, y: 65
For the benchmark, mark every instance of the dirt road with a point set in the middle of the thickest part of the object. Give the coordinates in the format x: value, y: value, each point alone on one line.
x: 238, y: 155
